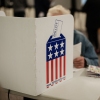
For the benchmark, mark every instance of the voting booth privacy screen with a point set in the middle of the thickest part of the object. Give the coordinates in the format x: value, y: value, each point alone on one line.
x: 35, y: 54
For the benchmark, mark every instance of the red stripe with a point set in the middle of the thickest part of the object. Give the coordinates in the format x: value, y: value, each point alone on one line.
x: 52, y: 71
x: 47, y: 72
x: 60, y: 66
x: 64, y: 65
x: 56, y: 68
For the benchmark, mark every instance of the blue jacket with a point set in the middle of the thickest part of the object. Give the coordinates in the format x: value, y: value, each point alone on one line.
x: 87, y: 50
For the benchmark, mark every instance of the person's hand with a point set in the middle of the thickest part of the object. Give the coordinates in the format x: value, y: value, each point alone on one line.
x: 79, y: 62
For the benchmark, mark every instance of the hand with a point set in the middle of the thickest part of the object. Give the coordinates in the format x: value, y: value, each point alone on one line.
x: 79, y: 62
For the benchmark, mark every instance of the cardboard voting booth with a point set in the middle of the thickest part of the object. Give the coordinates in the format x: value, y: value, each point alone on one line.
x: 35, y: 54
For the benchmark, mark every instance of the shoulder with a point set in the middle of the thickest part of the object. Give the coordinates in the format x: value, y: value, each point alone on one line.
x: 78, y: 36
x: 78, y: 33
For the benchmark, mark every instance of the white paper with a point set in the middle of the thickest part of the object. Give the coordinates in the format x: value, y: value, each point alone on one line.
x: 76, y: 53
x: 77, y: 50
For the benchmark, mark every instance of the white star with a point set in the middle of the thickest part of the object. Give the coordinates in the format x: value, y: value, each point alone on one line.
x: 62, y: 52
x: 50, y: 47
x: 56, y: 54
x: 50, y: 55
x: 56, y: 46
x: 62, y: 44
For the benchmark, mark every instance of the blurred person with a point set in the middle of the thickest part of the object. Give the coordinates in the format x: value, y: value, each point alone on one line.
x: 8, y: 3
x: 29, y: 3
x: 73, y: 7
x: 92, y: 9
x: 41, y: 7
x: 88, y: 55
x: 2, y: 3
x: 19, y: 8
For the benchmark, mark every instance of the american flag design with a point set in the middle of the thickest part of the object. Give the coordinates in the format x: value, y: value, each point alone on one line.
x: 55, y: 60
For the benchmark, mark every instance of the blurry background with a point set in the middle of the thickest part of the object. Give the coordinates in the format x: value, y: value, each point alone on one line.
x: 75, y: 5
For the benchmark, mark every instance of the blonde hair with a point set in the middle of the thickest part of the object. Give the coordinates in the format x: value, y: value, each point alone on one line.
x: 60, y: 10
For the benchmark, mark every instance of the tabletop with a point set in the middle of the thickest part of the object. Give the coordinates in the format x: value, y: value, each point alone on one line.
x: 80, y: 87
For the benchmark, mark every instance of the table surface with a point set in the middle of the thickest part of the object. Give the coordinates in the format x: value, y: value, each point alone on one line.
x: 80, y: 87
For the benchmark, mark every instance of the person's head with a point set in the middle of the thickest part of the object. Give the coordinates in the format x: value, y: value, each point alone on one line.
x: 58, y: 10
